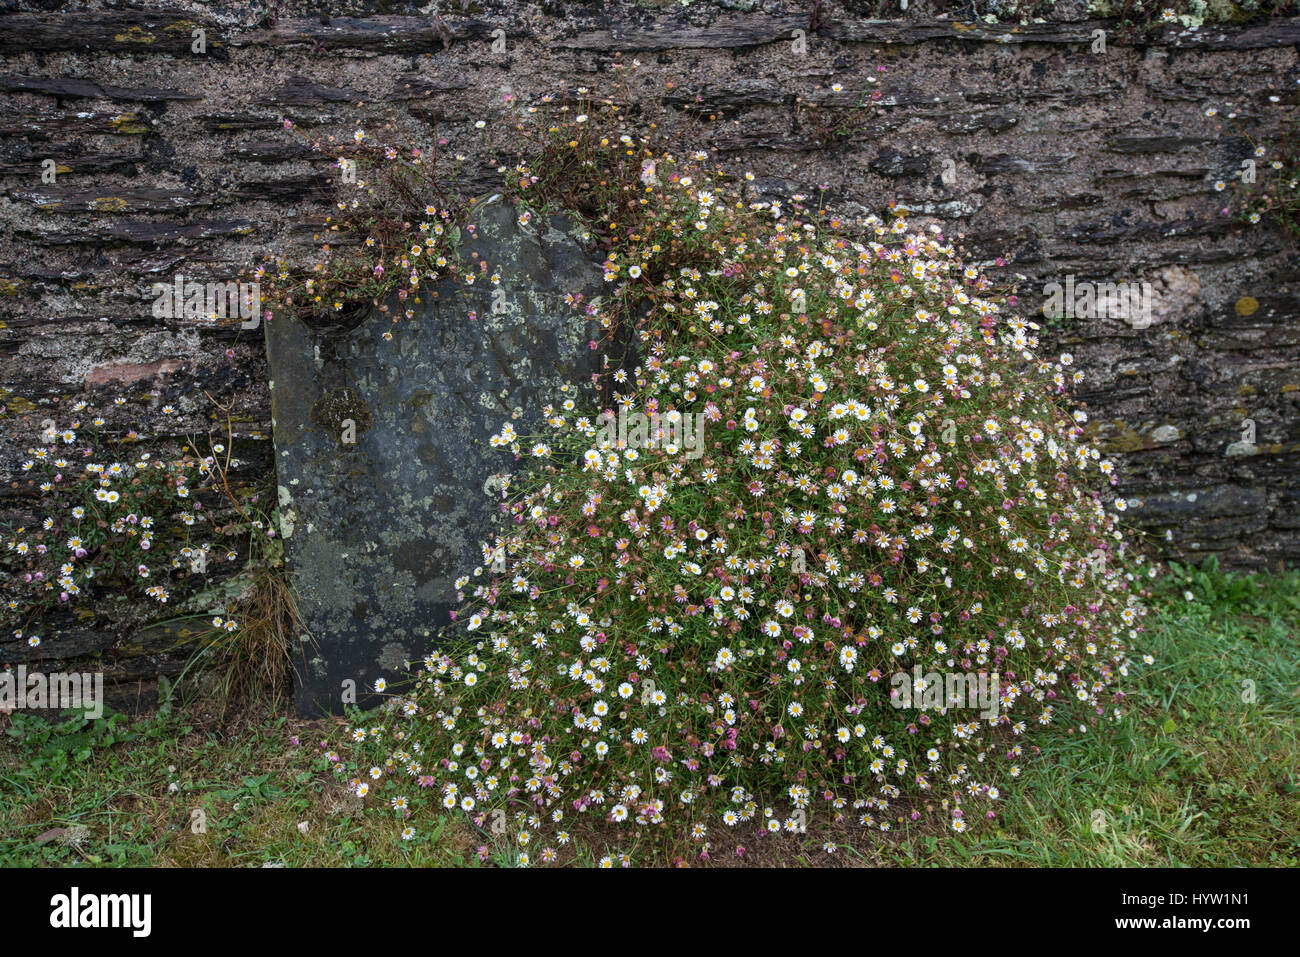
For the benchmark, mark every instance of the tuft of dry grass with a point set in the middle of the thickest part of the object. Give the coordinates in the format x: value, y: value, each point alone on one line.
x: 252, y: 662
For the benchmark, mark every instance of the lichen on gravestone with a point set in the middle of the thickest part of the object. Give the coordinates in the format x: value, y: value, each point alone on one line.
x: 382, y: 442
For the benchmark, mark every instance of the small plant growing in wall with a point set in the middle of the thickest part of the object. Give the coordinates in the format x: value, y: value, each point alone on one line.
x: 1270, y: 187
x: 106, y: 507
x: 1262, y: 187
x: 155, y: 536
x: 395, y: 225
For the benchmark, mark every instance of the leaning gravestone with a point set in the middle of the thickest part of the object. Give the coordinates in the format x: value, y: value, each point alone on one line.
x: 382, y: 444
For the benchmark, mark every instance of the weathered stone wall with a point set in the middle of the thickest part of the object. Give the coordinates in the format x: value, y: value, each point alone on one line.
x: 1062, y: 159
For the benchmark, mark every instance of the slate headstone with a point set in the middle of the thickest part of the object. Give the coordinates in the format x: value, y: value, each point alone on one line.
x: 384, y: 464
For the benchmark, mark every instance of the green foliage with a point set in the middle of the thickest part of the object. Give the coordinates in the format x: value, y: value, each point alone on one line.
x: 1236, y: 592
x: 52, y: 749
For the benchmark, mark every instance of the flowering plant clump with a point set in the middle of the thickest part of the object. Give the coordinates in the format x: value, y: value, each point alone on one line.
x: 113, y: 521
x: 393, y: 206
x: 695, y: 638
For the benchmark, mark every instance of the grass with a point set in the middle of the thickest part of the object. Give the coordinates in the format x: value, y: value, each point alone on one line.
x: 1204, y: 771
x: 104, y: 789
x: 1195, y: 775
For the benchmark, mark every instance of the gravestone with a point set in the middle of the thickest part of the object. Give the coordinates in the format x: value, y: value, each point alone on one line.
x: 384, y: 466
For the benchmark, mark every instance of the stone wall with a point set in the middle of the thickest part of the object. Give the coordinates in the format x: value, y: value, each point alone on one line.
x: 1023, y: 140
